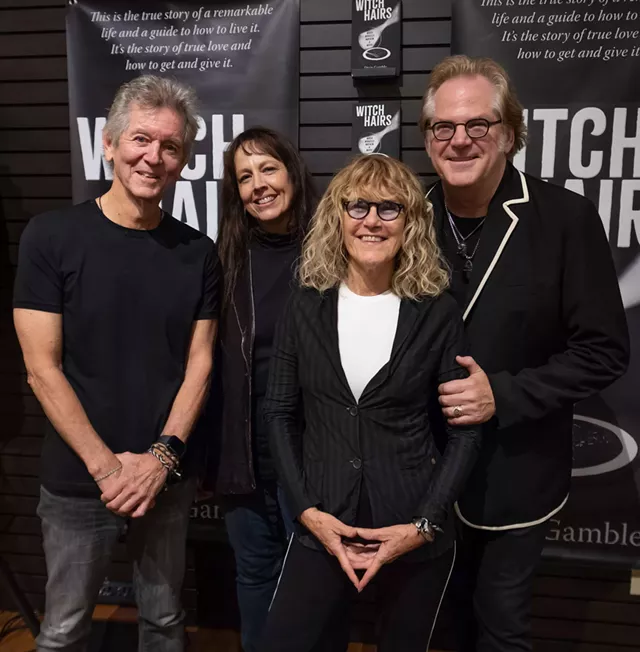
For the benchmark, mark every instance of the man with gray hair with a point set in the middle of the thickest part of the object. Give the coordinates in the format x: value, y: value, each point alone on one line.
x: 532, y: 271
x: 116, y: 307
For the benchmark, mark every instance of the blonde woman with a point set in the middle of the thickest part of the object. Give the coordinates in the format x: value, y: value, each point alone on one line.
x: 362, y: 348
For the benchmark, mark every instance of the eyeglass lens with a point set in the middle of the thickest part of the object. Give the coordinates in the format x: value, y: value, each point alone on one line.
x: 387, y: 210
x: 476, y: 128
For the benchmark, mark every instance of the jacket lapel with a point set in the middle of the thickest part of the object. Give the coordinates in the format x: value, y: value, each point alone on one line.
x: 409, y: 312
x: 496, y: 232
x: 327, y: 323
x: 328, y: 336
x: 500, y: 225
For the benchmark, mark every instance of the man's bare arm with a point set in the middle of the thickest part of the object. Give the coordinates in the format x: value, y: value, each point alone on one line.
x: 40, y: 336
x: 193, y: 391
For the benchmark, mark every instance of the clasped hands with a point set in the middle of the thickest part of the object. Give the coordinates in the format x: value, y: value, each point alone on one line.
x: 131, y: 491
x: 387, y: 544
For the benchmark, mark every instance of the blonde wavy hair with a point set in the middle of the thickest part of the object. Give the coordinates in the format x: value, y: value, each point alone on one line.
x: 419, y: 270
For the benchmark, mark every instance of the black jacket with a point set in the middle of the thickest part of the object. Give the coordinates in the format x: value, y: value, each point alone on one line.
x: 386, y: 437
x: 239, y: 446
x: 545, y: 320
x: 229, y: 468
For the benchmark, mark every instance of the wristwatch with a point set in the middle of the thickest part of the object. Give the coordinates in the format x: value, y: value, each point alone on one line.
x: 174, y: 444
x: 426, y: 528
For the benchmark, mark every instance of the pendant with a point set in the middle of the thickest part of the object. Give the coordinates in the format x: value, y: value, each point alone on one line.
x: 468, y: 266
x: 462, y: 249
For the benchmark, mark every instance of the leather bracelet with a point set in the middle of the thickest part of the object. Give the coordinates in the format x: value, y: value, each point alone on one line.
x: 106, y: 475
x: 160, y: 457
x: 172, y: 465
x: 166, y: 452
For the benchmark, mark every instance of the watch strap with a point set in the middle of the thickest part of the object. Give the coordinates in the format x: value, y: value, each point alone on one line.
x: 174, y: 444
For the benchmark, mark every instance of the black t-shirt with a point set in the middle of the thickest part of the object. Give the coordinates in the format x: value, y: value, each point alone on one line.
x: 128, y: 300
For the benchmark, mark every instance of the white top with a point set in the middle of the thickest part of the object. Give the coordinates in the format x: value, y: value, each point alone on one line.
x: 366, y: 330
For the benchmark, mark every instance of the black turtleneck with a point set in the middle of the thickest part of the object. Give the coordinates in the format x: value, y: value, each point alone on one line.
x: 273, y: 258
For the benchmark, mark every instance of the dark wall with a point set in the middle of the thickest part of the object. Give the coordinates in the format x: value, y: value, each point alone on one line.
x: 327, y: 91
x: 575, y: 608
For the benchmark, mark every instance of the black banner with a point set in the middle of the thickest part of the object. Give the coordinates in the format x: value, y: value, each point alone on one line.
x: 241, y: 57
x: 376, y: 38
x: 575, y: 66
x: 376, y: 128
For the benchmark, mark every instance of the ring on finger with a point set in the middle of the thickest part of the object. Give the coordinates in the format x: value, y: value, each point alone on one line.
x: 457, y: 412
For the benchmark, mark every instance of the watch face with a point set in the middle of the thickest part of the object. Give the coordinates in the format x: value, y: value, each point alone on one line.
x: 423, y: 526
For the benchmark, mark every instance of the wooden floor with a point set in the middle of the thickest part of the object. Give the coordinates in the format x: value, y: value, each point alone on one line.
x: 201, y: 639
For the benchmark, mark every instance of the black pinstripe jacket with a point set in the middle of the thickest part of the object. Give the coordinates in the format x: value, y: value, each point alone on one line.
x: 387, y: 438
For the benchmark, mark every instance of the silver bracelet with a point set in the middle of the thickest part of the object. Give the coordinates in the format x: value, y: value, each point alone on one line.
x: 106, y: 475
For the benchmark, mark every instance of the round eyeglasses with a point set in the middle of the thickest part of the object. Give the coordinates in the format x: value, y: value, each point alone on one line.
x: 475, y: 128
x: 387, y: 211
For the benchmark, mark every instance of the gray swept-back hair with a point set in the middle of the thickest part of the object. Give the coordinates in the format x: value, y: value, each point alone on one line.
x: 153, y: 92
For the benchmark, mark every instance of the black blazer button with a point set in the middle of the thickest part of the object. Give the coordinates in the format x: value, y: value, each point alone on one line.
x: 356, y: 462
x: 353, y: 411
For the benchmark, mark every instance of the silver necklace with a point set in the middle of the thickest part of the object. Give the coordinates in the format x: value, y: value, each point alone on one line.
x: 103, y: 213
x: 462, y: 249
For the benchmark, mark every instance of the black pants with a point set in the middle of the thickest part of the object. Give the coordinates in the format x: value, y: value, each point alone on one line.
x: 492, y: 587
x: 313, y: 591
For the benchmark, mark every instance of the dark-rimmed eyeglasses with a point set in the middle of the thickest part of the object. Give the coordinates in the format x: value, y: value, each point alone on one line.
x: 358, y: 209
x: 475, y: 128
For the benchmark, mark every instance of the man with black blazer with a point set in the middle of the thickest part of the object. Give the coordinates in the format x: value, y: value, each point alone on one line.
x: 532, y: 271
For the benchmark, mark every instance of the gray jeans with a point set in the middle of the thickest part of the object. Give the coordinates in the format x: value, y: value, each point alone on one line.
x: 79, y: 536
